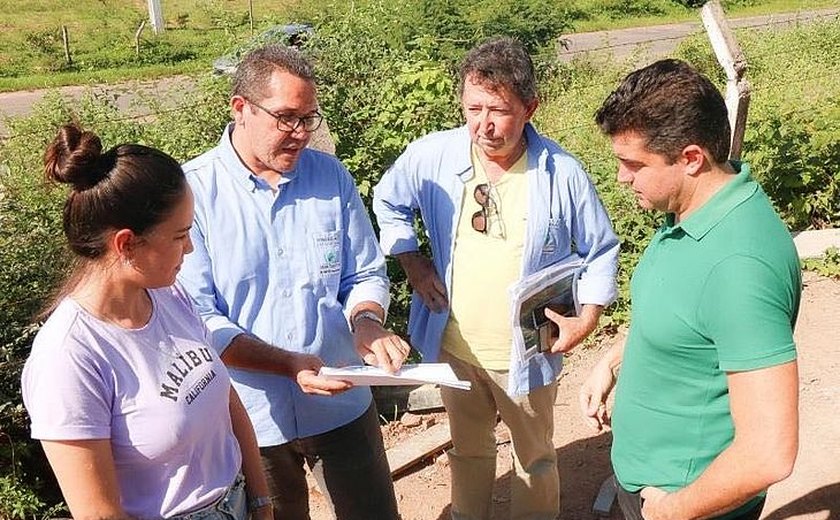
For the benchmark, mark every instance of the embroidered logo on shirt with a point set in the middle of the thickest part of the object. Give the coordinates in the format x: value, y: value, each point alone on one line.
x: 327, y: 250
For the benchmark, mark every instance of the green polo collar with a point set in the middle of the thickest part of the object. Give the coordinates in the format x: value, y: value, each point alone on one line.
x: 733, y: 194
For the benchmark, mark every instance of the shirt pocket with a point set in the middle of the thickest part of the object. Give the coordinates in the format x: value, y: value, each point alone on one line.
x: 555, y: 243
x: 324, y: 251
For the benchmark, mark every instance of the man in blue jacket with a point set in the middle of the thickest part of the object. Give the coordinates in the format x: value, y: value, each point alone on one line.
x: 499, y: 201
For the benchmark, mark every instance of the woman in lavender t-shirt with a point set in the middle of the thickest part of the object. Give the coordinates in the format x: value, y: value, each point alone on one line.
x: 133, y: 408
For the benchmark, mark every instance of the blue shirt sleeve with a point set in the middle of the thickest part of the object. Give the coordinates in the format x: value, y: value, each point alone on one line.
x: 364, y: 276
x: 196, y: 276
x: 596, y: 242
x: 395, y: 203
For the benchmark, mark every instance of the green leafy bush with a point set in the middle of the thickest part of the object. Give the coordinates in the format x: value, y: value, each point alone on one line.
x: 796, y: 157
x: 452, y: 25
x: 618, y: 10
x: 33, y: 261
x: 466, y: 22
x: 795, y: 148
x: 826, y: 265
x: 691, y: 3
x: 44, y: 49
x: 17, y: 501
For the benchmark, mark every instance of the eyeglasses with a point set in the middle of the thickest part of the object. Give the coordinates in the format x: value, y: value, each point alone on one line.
x: 290, y: 122
x: 480, y: 217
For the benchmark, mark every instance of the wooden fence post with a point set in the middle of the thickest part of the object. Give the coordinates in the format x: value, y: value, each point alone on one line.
x: 65, y: 37
x: 734, y: 64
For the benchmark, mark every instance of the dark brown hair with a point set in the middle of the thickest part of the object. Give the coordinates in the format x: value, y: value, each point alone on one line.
x: 501, y: 62
x: 254, y: 71
x: 672, y: 106
x: 127, y: 187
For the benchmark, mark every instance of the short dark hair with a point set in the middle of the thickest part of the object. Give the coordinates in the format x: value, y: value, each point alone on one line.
x: 672, y: 106
x: 127, y: 187
x: 254, y: 71
x: 501, y: 62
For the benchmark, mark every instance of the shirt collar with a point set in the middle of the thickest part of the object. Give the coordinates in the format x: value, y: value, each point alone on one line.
x: 237, y: 168
x: 460, y: 149
x: 730, y: 196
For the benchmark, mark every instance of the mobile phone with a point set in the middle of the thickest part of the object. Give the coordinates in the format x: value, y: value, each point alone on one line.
x: 547, y: 331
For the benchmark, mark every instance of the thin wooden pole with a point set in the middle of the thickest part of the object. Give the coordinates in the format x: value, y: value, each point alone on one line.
x: 65, y: 37
x: 137, y: 37
x: 251, y: 15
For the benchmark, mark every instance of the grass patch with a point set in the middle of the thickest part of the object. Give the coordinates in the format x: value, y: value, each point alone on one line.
x: 198, y: 31
x: 101, y: 38
x: 99, y: 77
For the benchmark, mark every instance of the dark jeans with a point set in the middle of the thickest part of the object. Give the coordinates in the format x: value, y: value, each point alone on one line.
x: 349, y: 465
x: 631, y: 506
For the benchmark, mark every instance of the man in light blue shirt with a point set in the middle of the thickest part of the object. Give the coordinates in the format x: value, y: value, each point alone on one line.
x: 288, y: 276
x: 498, y: 201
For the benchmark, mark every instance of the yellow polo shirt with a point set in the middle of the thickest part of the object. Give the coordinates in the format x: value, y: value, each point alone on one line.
x: 484, y: 265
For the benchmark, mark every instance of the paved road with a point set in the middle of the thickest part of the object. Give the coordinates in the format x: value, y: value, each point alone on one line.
x: 660, y: 40
x: 128, y: 96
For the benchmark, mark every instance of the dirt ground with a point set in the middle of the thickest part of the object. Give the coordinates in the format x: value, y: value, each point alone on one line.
x: 811, y: 493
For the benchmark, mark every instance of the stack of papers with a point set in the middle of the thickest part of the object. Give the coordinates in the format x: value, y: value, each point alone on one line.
x: 435, y: 373
x: 555, y: 287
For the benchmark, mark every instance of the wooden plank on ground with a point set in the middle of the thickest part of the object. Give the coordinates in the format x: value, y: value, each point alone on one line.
x: 394, y: 400
x: 417, y: 447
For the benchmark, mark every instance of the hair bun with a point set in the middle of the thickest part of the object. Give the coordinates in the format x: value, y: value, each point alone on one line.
x: 74, y: 157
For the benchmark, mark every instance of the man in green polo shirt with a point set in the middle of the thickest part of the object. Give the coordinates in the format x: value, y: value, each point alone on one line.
x: 705, y: 415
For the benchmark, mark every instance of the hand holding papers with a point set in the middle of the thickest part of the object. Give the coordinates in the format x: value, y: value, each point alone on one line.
x: 436, y: 373
x: 554, y: 287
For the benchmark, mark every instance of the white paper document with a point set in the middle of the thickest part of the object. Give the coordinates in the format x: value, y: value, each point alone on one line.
x: 435, y: 373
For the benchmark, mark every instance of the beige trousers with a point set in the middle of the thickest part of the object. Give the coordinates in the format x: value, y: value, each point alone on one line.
x: 535, y: 483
